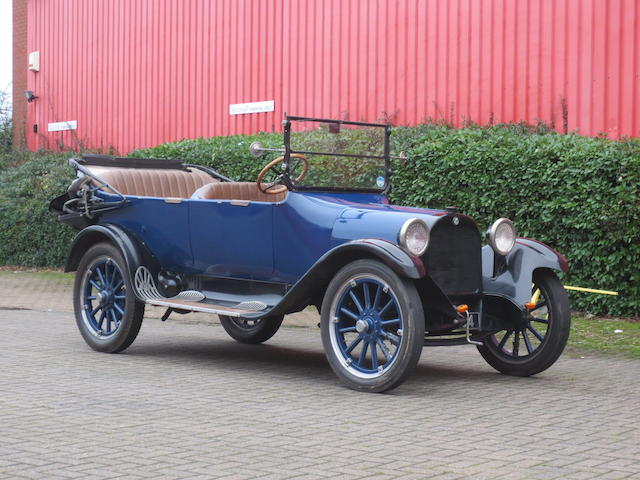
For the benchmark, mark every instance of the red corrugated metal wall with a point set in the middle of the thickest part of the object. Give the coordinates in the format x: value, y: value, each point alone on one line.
x: 137, y: 73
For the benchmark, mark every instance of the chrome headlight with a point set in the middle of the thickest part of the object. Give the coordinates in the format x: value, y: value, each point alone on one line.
x: 502, y: 236
x: 414, y: 236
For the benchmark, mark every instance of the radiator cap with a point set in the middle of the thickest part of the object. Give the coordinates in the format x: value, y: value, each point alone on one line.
x: 451, y: 210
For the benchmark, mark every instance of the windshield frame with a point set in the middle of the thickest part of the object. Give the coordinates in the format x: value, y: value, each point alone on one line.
x: 288, y: 151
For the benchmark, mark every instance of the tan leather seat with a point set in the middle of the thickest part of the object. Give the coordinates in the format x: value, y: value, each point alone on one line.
x: 246, y: 191
x: 149, y: 182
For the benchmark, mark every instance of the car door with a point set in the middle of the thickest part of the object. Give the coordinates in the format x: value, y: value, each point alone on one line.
x: 232, y: 238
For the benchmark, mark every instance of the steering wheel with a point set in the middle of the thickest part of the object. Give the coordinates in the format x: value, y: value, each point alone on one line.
x: 274, y: 187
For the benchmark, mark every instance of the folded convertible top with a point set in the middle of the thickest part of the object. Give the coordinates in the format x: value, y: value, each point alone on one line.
x: 98, y: 160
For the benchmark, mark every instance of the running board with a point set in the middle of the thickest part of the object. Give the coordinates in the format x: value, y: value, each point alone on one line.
x: 199, y: 307
x: 189, y: 300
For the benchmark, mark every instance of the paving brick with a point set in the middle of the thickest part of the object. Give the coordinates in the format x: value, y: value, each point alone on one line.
x: 185, y: 401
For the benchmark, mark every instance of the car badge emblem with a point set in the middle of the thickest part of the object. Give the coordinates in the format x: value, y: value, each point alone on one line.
x: 455, y: 220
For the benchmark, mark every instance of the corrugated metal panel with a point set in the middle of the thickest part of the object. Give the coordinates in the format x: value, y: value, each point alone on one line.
x: 137, y: 73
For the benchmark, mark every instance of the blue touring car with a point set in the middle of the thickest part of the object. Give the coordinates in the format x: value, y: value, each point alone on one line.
x: 315, y: 229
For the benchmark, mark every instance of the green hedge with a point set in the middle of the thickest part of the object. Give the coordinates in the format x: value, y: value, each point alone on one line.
x: 228, y: 155
x: 29, y: 234
x: 580, y: 195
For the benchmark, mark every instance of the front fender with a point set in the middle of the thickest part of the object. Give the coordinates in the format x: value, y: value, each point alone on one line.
x: 402, y: 262
x: 310, y: 288
x: 512, y: 277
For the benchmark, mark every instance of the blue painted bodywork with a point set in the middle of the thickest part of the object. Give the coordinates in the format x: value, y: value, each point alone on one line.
x: 231, y: 240
x: 307, y: 225
x: 282, y: 242
x: 265, y: 241
x: 163, y: 227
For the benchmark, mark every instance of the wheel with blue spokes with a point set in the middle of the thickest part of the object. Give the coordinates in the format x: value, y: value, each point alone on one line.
x: 372, y: 326
x: 107, y: 313
x: 537, y: 340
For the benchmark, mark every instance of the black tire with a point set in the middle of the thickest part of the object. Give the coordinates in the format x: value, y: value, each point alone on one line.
x: 251, y: 331
x: 543, y: 346
x: 122, y: 333
x: 366, y: 326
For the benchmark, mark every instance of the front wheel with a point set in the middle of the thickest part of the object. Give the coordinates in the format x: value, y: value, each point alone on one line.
x: 251, y: 330
x: 537, y: 340
x: 107, y: 312
x: 372, y: 326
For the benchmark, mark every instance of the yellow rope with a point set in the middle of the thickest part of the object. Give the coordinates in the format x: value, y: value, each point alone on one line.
x: 590, y: 290
x: 535, y: 298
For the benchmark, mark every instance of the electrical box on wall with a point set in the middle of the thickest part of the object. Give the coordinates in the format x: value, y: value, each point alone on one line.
x: 34, y: 61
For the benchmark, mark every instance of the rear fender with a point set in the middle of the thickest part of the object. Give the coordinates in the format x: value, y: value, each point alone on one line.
x: 133, y: 251
x: 511, y: 277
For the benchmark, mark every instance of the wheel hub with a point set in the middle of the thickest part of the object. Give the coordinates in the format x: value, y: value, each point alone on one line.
x: 364, y: 325
x: 369, y: 325
x: 104, y: 297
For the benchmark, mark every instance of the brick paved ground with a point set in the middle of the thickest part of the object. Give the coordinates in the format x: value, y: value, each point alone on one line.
x: 53, y: 292
x: 185, y: 401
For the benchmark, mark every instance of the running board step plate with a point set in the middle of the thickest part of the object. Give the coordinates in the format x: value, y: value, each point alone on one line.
x: 190, y: 300
x: 199, y: 307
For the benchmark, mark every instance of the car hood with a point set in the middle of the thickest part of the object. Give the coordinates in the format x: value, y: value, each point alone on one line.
x: 370, y: 216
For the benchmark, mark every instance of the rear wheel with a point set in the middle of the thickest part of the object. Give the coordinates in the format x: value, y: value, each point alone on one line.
x: 372, y: 326
x: 107, y: 312
x: 536, y: 342
x: 246, y: 330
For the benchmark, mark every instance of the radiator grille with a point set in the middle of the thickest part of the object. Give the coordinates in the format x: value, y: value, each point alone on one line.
x: 453, y: 259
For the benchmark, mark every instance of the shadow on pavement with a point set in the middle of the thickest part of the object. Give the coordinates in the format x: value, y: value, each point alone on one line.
x: 299, y: 361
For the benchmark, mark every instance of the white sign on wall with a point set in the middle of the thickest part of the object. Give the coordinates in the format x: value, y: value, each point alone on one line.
x: 34, y: 61
x: 253, y: 107
x: 60, y: 126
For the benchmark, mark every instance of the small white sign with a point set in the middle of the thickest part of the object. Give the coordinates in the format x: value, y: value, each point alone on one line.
x: 34, y: 61
x: 253, y: 107
x: 60, y: 126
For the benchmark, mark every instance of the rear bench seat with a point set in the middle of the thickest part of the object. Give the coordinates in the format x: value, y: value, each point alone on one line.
x: 150, y: 182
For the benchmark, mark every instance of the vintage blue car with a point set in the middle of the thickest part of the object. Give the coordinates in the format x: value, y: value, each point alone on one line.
x: 315, y: 229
